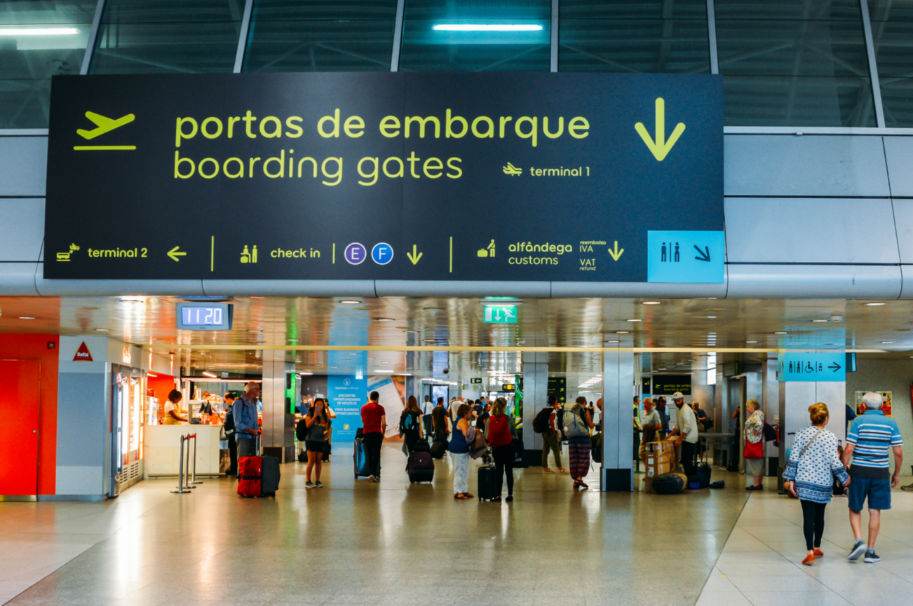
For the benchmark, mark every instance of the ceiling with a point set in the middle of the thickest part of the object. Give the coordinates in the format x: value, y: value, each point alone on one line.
x: 402, y: 334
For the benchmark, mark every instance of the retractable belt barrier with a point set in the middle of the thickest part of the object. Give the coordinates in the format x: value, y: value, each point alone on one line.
x: 187, y: 470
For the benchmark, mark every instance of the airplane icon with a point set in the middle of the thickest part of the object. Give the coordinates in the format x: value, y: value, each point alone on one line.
x: 103, y: 125
x: 513, y: 171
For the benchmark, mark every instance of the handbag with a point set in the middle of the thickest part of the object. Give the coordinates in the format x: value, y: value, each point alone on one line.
x: 754, y: 450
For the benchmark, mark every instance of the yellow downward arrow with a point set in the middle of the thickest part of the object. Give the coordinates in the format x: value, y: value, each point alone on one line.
x: 415, y: 256
x: 616, y: 252
x: 658, y: 145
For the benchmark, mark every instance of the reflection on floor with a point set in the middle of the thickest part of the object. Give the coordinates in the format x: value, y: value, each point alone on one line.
x: 396, y: 543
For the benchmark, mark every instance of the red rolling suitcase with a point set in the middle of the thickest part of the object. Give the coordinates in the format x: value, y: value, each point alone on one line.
x: 250, y: 476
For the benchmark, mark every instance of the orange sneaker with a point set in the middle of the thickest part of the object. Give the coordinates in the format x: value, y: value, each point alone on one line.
x: 818, y: 553
x: 809, y: 559
x: 562, y: 470
x: 546, y: 470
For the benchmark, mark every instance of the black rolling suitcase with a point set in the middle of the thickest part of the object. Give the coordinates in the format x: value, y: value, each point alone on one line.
x: 420, y: 467
x: 360, y: 456
x: 269, y: 482
x: 438, y: 448
x: 488, y: 483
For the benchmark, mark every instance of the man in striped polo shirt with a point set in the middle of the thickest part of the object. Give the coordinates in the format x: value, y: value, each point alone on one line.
x: 868, y: 442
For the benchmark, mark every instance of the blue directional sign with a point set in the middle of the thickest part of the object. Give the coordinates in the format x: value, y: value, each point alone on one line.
x: 815, y: 367
x: 685, y: 256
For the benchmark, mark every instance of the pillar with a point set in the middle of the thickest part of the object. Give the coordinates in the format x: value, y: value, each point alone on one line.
x: 618, y: 433
x: 278, y: 407
x: 535, y: 394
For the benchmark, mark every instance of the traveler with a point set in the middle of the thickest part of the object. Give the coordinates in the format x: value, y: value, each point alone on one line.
x: 686, y: 429
x: 704, y: 422
x: 663, y: 413
x: 870, y: 437
x: 374, y: 424
x: 228, y: 427
x: 427, y: 407
x: 173, y: 410
x: 500, y: 435
x: 483, y: 415
x: 410, y: 424
x: 810, y: 471
x: 440, y: 422
x: 317, y: 422
x: 463, y: 435
x: 754, y: 443
x: 244, y: 415
x: 577, y: 424
x: 550, y: 437
x: 650, y: 424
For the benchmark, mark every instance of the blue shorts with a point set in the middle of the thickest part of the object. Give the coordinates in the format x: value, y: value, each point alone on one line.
x: 878, y: 492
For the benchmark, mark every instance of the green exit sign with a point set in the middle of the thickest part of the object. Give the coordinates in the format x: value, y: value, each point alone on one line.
x: 500, y: 314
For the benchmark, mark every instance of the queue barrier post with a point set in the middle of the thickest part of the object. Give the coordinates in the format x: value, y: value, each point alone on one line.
x: 186, y: 482
x: 193, y: 465
x: 181, y: 488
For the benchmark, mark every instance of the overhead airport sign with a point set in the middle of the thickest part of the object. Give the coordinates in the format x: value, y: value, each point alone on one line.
x: 815, y: 367
x: 404, y: 176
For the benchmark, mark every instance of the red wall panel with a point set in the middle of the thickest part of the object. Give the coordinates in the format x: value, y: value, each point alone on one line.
x: 35, y: 347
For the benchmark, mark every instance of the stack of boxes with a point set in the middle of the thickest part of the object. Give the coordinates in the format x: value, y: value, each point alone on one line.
x: 659, y: 458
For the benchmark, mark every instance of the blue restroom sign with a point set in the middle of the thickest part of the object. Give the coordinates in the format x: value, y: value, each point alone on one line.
x: 693, y: 257
x: 815, y: 367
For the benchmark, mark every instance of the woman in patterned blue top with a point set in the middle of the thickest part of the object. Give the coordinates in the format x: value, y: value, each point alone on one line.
x: 813, y: 463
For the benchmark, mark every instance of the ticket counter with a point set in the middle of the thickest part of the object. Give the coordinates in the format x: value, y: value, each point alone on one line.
x: 163, y: 446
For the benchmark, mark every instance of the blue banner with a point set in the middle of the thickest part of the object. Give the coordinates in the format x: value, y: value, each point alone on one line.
x: 347, y: 394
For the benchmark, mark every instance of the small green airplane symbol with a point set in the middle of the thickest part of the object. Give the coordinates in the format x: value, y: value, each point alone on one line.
x: 103, y: 124
x: 510, y: 169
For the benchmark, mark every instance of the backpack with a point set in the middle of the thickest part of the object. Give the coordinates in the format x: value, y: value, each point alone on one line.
x: 596, y: 447
x: 301, y: 430
x: 770, y: 433
x: 540, y: 423
x: 406, y: 422
x: 576, y: 427
x: 499, y: 431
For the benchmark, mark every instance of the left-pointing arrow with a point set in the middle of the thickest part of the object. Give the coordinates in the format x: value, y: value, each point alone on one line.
x: 176, y: 253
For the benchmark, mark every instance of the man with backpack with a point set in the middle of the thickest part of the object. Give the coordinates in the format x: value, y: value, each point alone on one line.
x: 545, y: 424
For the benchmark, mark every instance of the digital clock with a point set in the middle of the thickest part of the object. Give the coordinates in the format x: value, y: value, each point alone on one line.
x: 204, y: 316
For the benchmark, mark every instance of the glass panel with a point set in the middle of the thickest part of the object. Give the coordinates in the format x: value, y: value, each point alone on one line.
x: 892, y: 32
x: 183, y: 36
x: 794, y: 63
x: 653, y: 37
x: 38, y: 40
x: 310, y: 35
x: 476, y: 35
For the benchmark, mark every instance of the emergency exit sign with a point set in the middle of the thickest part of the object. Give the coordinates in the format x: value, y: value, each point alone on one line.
x: 500, y: 314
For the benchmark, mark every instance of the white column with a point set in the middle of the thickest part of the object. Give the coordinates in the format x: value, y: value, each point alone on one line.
x: 618, y: 427
x: 278, y: 420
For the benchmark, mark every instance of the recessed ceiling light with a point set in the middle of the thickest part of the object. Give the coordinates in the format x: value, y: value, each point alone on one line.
x: 651, y: 302
x: 131, y: 300
x: 616, y: 341
x: 634, y: 320
x: 875, y: 303
x: 305, y: 373
x: 349, y: 301
x: 26, y: 317
x: 710, y: 317
x: 751, y: 342
x: 383, y: 319
x: 486, y: 27
x: 836, y: 318
x: 381, y: 371
x: 101, y: 330
x: 622, y: 332
x: 211, y: 375
x: 780, y: 332
x: 887, y: 342
x: 820, y: 321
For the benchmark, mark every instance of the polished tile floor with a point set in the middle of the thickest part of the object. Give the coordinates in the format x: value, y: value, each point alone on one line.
x: 396, y: 543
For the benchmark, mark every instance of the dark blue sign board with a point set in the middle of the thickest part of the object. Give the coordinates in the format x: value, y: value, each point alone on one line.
x: 496, y: 176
